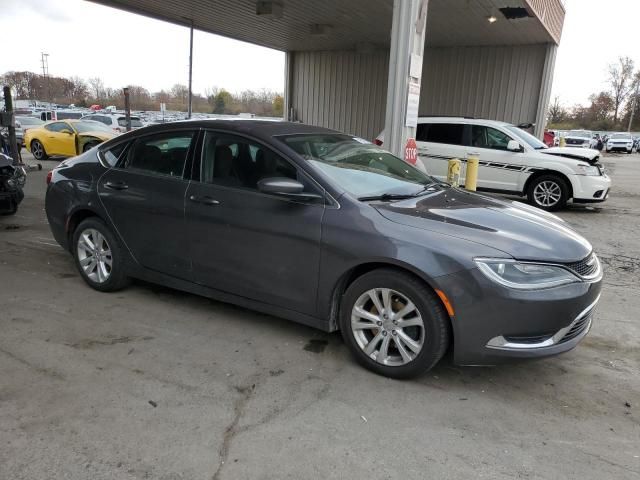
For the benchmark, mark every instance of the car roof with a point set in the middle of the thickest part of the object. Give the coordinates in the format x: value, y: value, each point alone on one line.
x: 263, y: 129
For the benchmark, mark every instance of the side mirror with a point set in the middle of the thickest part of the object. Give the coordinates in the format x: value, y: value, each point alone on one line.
x: 514, y: 146
x: 67, y: 131
x: 286, y: 187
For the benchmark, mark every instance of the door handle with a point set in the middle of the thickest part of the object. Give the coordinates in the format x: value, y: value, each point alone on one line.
x: 204, y: 200
x: 116, y: 185
x: 475, y: 154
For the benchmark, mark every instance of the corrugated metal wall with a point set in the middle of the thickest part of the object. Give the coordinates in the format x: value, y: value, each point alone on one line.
x: 497, y: 82
x: 344, y: 90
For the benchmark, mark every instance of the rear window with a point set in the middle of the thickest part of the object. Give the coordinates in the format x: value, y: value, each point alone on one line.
x: 450, y: 133
x: 135, y: 122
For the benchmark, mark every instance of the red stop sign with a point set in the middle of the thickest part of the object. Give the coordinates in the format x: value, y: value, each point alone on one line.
x: 411, y: 151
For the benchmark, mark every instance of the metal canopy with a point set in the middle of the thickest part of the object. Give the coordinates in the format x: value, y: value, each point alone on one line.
x: 343, y: 25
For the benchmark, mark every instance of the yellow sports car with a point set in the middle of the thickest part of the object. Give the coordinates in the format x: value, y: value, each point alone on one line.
x: 65, y: 138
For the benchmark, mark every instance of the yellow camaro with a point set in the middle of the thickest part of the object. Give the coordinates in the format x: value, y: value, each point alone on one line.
x: 65, y: 138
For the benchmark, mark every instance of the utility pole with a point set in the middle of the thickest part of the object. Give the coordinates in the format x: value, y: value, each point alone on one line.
x: 127, y: 108
x: 634, y: 105
x: 45, y: 74
x: 190, y: 69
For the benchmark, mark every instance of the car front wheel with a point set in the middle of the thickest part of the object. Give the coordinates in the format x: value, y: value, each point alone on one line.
x: 98, y: 256
x: 394, y: 324
x: 38, y: 151
x: 548, y: 192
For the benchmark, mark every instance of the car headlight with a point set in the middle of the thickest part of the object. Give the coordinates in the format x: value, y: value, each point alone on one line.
x: 588, y: 170
x: 524, y: 276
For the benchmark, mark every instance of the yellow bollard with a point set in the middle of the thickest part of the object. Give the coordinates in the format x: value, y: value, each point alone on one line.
x: 471, y: 179
x: 453, y: 172
x: 563, y: 142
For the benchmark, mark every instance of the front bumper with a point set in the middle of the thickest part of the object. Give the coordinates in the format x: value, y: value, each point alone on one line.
x: 588, y: 189
x: 619, y: 148
x: 494, y: 324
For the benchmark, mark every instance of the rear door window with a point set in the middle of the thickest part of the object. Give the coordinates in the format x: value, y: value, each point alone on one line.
x: 161, y: 154
x: 112, y: 155
x: 449, y: 133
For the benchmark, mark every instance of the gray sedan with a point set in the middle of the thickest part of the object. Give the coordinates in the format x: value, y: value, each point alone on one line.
x: 326, y: 229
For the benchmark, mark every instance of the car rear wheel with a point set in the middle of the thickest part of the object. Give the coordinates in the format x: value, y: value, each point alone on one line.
x: 98, y: 256
x: 548, y: 192
x: 394, y: 324
x: 38, y: 151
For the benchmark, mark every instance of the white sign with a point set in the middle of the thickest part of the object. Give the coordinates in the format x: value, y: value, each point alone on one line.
x: 413, y: 104
x: 415, y: 66
x: 163, y: 107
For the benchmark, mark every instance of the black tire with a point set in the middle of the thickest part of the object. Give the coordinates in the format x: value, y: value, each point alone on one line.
x: 38, y: 151
x: 116, y: 279
x: 556, y: 184
x: 435, y: 336
x: 88, y: 146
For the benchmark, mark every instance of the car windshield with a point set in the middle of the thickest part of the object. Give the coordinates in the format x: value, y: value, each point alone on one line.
x: 624, y: 136
x: 90, y: 126
x: 358, y: 166
x: 532, y: 141
x: 585, y: 135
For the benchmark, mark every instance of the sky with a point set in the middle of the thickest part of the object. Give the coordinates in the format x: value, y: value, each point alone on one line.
x: 88, y: 40
x: 596, y: 33
x: 84, y: 39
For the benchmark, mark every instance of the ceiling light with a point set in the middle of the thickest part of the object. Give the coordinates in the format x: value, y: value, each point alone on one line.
x: 492, y: 19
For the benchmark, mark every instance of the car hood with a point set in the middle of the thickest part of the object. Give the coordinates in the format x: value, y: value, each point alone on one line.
x: 98, y: 134
x: 521, y: 231
x: 587, y: 154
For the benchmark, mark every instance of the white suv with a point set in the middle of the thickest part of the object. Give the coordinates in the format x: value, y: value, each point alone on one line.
x: 512, y: 161
x: 117, y: 122
x: 580, y: 139
x: 620, y: 142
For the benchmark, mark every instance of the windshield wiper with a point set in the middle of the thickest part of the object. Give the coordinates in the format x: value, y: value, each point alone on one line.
x: 385, y: 197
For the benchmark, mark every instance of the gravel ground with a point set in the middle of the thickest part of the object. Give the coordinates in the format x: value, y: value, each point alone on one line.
x: 154, y: 383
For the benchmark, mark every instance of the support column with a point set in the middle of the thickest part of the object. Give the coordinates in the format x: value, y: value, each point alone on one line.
x: 288, y: 87
x: 545, y: 89
x: 190, y: 70
x: 407, y: 38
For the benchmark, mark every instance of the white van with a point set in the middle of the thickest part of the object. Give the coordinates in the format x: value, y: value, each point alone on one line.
x: 512, y: 161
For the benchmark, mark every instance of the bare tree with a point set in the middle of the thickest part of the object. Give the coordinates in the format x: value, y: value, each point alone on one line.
x: 621, y: 82
x: 557, y: 113
x: 97, y: 87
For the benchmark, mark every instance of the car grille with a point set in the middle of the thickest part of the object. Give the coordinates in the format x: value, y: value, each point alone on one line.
x: 575, y: 141
x: 586, y: 267
x: 577, y: 328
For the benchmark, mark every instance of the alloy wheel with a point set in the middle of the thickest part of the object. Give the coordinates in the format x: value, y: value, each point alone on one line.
x: 547, y: 193
x: 387, y: 326
x: 94, y: 255
x: 37, y: 149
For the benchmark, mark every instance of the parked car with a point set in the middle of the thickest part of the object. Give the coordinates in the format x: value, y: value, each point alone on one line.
x: 65, y: 138
x: 24, y: 123
x: 620, y: 142
x: 118, y: 123
x: 331, y: 231
x: 49, y: 115
x: 580, y: 138
x: 12, y: 180
x: 512, y: 161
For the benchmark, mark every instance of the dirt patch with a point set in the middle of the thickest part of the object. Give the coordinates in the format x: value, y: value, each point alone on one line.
x: 90, y: 342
